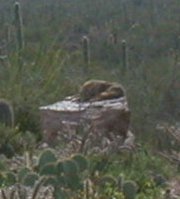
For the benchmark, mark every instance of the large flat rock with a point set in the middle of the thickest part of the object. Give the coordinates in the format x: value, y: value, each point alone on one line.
x: 67, y: 116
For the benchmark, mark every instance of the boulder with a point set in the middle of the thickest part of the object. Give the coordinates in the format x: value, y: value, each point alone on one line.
x: 106, y: 118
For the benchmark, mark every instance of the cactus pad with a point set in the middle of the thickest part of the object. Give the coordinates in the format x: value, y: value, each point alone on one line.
x: 47, y: 156
x: 22, y: 173
x: 81, y: 162
x: 49, y: 169
x: 10, y: 179
x: 130, y: 189
x: 30, y: 179
x: 70, y: 167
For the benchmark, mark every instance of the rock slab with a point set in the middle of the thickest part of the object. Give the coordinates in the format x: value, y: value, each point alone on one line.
x: 104, y: 117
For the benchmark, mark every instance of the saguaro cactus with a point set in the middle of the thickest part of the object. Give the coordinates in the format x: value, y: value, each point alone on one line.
x: 86, y: 50
x: 8, y: 34
x: 6, y: 113
x: 18, y: 26
x: 124, y: 55
x: 125, y: 13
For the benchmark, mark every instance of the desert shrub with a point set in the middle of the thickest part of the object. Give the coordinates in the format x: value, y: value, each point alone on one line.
x: 8, y: 140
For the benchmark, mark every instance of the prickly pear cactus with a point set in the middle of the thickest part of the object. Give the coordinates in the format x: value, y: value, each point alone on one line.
x: 49, y: 169
x: 46, y: 157
x: 30, y: 179
x: 59, y: 167
x: 6, y: 113
x: 70, y: 167
x: 68, y: 174
x: 52, y: 180
x: 130, y: 189
x: 81, y: 162
x: 22, y: 173
x: 60, y: 194
x: 107, y: 179
x: 73, y: 181
x: 10, y: 179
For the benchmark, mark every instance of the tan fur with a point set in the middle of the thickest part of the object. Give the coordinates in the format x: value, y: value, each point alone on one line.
x: 97, y: 90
